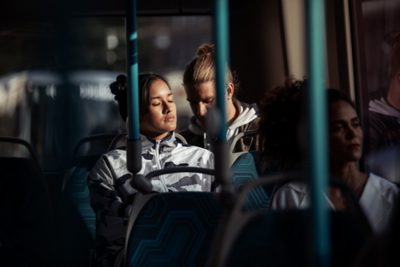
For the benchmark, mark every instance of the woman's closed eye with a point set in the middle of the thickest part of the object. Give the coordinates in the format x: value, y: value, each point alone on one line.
x: 337, y: 127
x: 356, y: 123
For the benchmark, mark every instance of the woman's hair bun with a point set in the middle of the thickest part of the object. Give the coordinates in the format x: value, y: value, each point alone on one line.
x: 118, y: 87
x: 205, y: 49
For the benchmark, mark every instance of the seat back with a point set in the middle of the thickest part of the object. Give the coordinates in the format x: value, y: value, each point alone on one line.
x: 283, y: 238
x: 172, y: 229
x: 244, y: 170
x: 76, y: 191
x: 26, y: 225
x: 74, y: 185
x: 93, y: 145
x: 247, y: 140
x: 79, y: 219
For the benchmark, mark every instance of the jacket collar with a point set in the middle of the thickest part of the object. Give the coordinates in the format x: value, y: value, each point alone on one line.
x: 168, y: 143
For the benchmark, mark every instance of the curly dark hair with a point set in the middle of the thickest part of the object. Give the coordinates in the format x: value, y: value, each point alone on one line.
x: 281, y: 113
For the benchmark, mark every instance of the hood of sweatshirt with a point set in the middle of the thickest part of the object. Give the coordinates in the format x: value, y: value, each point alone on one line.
x: 381, y: 106
x: 247, y: 113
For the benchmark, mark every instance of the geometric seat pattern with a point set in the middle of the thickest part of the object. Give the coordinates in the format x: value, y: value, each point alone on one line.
x: 79, y: 219
x: 174, y: 229
x: 243, y: 171
x: 77, y: 192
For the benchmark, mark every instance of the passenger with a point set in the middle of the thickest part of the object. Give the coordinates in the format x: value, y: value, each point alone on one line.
x: 376, y: 195
x: 384, y: 121
x: 110, y: 182
x: 199, y: 83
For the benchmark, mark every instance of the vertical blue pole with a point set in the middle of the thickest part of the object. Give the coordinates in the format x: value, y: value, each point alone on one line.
x: 318, y: 129
x: 134, y: 161
x: 221, y: 37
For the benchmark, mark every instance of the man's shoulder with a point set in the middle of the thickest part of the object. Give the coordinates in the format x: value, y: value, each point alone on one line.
x: 187, y: 133
x: 192, y: 138
x: 382, y: 123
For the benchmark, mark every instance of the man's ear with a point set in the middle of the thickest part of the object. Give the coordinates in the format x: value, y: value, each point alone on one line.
x: 230, y: 91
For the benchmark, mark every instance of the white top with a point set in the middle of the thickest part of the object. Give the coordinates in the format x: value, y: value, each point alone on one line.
x: 377, y: 200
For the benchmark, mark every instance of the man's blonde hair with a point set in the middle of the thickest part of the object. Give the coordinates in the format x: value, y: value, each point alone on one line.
x: 202, y: 68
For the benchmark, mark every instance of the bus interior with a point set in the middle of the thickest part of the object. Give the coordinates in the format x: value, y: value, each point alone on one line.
x: 58, y: 116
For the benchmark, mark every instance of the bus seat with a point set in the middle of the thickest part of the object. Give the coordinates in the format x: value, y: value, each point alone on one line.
x: 76, y: 191
x: 93, y: 145
x: 27, y: 222
x: 79, y: 218
x: 244, y: 170
x: 250, y: 138
x: 172, y: 229
x: 282, y: 238
x: 74, y: 187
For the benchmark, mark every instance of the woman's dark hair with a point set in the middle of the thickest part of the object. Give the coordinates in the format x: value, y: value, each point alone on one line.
x: 335, y: 95
x: 281, y: 112
x: 119, y: 89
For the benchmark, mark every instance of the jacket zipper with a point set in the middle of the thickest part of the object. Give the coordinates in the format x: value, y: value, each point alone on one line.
x: 158, y: 160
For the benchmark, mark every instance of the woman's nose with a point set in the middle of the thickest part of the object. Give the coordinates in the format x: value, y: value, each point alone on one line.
x: 351, y: 132
x: 167, y: 107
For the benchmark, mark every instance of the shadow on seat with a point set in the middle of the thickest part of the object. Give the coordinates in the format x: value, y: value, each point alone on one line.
x: 27, y: 224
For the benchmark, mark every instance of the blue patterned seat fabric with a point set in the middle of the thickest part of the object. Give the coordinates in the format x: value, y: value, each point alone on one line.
x: 79, y: 219
x: 174, y: 229
x: 244, y: 170
x: 77, y: 192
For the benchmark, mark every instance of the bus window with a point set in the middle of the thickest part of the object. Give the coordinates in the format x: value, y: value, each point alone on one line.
x: 380, y: 27
x: 32, y: 96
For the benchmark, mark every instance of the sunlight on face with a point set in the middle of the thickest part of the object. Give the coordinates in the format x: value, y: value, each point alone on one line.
x: 161, y: 116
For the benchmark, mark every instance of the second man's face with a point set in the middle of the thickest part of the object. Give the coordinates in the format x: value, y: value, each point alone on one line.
x: 201, y: 97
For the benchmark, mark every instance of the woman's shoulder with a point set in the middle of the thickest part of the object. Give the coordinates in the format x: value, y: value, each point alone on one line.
x: 386, y: 187
x: 382, y: 182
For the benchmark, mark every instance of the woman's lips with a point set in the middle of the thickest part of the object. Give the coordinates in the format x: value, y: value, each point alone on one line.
x: 355, y: 146
x: 170, y: 119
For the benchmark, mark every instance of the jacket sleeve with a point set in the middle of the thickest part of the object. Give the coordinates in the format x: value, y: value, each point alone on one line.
x: 104, y: 196
x: 375, y: 133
